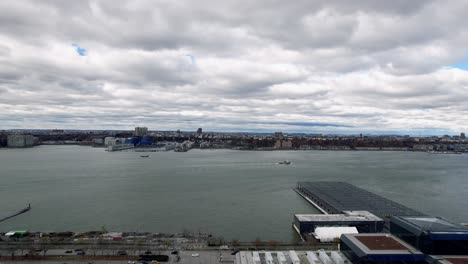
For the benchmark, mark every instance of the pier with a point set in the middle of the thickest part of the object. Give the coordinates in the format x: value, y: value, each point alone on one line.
x: 337, y: 197
x: 17, y: 213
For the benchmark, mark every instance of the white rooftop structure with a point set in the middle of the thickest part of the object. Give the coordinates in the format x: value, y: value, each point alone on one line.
x: 269, y: 258
x: 331, y: 233
x: 324, y: 257
x: 294, y: 258
x: 336, y: 258
x: 281, y: 257
x: 312, y: 258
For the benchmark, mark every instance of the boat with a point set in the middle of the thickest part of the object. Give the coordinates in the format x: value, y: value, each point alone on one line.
x: 145, y: 156
x: 286, y: 162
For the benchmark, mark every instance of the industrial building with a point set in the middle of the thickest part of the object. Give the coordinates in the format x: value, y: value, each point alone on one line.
x: 443, y: 259
x: 379, y: 248
x: 337, y: 197
x: 291, y: 257
x: 431, y: 235
x: 20, y: 141
x: 363, y: 221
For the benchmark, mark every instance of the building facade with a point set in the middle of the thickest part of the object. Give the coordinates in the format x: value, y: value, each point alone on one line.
x: 141, y: 131
x: 20, y: 141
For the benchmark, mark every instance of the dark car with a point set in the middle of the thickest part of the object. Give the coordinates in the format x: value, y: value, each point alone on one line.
x: 68, y: 251
x: 80, y: 253
x: 78, y: 250
x: 235, y: 252
x: 147, y: 252
x: 122, y: 253
x: 175, y: 252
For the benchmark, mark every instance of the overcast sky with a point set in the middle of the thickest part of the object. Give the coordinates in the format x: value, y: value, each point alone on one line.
x: 301, y: 66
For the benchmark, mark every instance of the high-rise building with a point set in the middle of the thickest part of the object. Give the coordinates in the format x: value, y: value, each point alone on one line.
x: 20, y: 141
x: 278, y: 134
x: 141, y: 131
x: 462, y: 135
x: 199, y: 131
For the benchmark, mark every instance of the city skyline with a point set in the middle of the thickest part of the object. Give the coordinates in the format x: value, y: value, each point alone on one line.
x: 313, y: 67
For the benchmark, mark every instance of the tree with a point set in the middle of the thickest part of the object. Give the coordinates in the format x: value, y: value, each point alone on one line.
x: 235, y: 243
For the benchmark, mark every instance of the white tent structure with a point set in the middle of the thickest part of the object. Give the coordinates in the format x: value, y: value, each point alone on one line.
x: 331, y: 233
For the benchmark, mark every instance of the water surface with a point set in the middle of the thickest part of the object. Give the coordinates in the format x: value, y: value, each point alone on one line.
x: 234, y: 194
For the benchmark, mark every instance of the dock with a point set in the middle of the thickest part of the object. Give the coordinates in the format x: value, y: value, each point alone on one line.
x: 337, y: 197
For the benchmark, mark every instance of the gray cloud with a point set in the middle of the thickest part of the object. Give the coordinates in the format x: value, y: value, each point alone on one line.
x: 311, y: 66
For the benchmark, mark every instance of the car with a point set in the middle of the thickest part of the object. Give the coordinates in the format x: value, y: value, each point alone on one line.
x: 78, y: 249
x: 121, y: 253
x: 175, y: 252
x: 68, y: 251
x: 235, y: 252
x: 80, y: 253
x: 131, y: 262
x: 195, y: 255
x: 143, y: 262
x: 147, y: 252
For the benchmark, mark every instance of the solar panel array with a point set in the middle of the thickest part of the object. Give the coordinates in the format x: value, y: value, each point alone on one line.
x: 336, y: 197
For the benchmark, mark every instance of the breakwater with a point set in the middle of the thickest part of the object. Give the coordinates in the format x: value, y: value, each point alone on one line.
x: 22, y: 211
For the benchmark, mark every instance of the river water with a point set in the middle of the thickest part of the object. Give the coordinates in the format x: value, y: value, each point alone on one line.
x: 234, y: 194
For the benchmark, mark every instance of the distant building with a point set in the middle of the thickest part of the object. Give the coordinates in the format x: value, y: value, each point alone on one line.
x: 422, y: 147
x: 109, y: 141
x: 20, y: 141
x: 278, y: 134
x: 283, y: 144
x: 462, y: 135
x: 141, y: 131
x: 199, y: 131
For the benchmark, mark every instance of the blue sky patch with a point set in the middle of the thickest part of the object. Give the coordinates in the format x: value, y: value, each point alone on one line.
x: 461, y: 65
x: 81, y: 51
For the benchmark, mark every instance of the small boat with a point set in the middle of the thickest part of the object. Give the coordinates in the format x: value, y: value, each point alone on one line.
x: 144, y: 156
x: 286, y: 162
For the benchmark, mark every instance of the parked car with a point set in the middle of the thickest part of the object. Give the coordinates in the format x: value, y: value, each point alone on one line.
x: 147, y: 252
x: 175, y: 252
x: 195, y: 255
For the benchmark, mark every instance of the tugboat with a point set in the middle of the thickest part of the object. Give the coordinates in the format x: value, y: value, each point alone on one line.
x: 145, y: 156
x: 286, y: 162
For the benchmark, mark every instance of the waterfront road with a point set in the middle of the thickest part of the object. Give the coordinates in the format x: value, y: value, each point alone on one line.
x: 58, y: 256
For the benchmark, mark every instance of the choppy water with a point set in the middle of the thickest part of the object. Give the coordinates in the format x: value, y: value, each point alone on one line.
x: 234, y: 194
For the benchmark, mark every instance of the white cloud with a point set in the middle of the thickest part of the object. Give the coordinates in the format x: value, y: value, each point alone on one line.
x: 346, y: 67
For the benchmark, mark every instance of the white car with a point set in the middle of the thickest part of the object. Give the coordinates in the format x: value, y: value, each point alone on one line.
x: 195, y: 255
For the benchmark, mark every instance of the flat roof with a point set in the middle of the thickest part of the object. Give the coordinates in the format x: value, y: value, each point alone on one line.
x: 352, y: 216
x: 458, y: 260
x: 431, y: 224
x: 337, y: 197
x: 379, y: 244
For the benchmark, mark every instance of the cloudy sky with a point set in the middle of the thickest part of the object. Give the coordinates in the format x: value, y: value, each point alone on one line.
x: 303, y: 66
